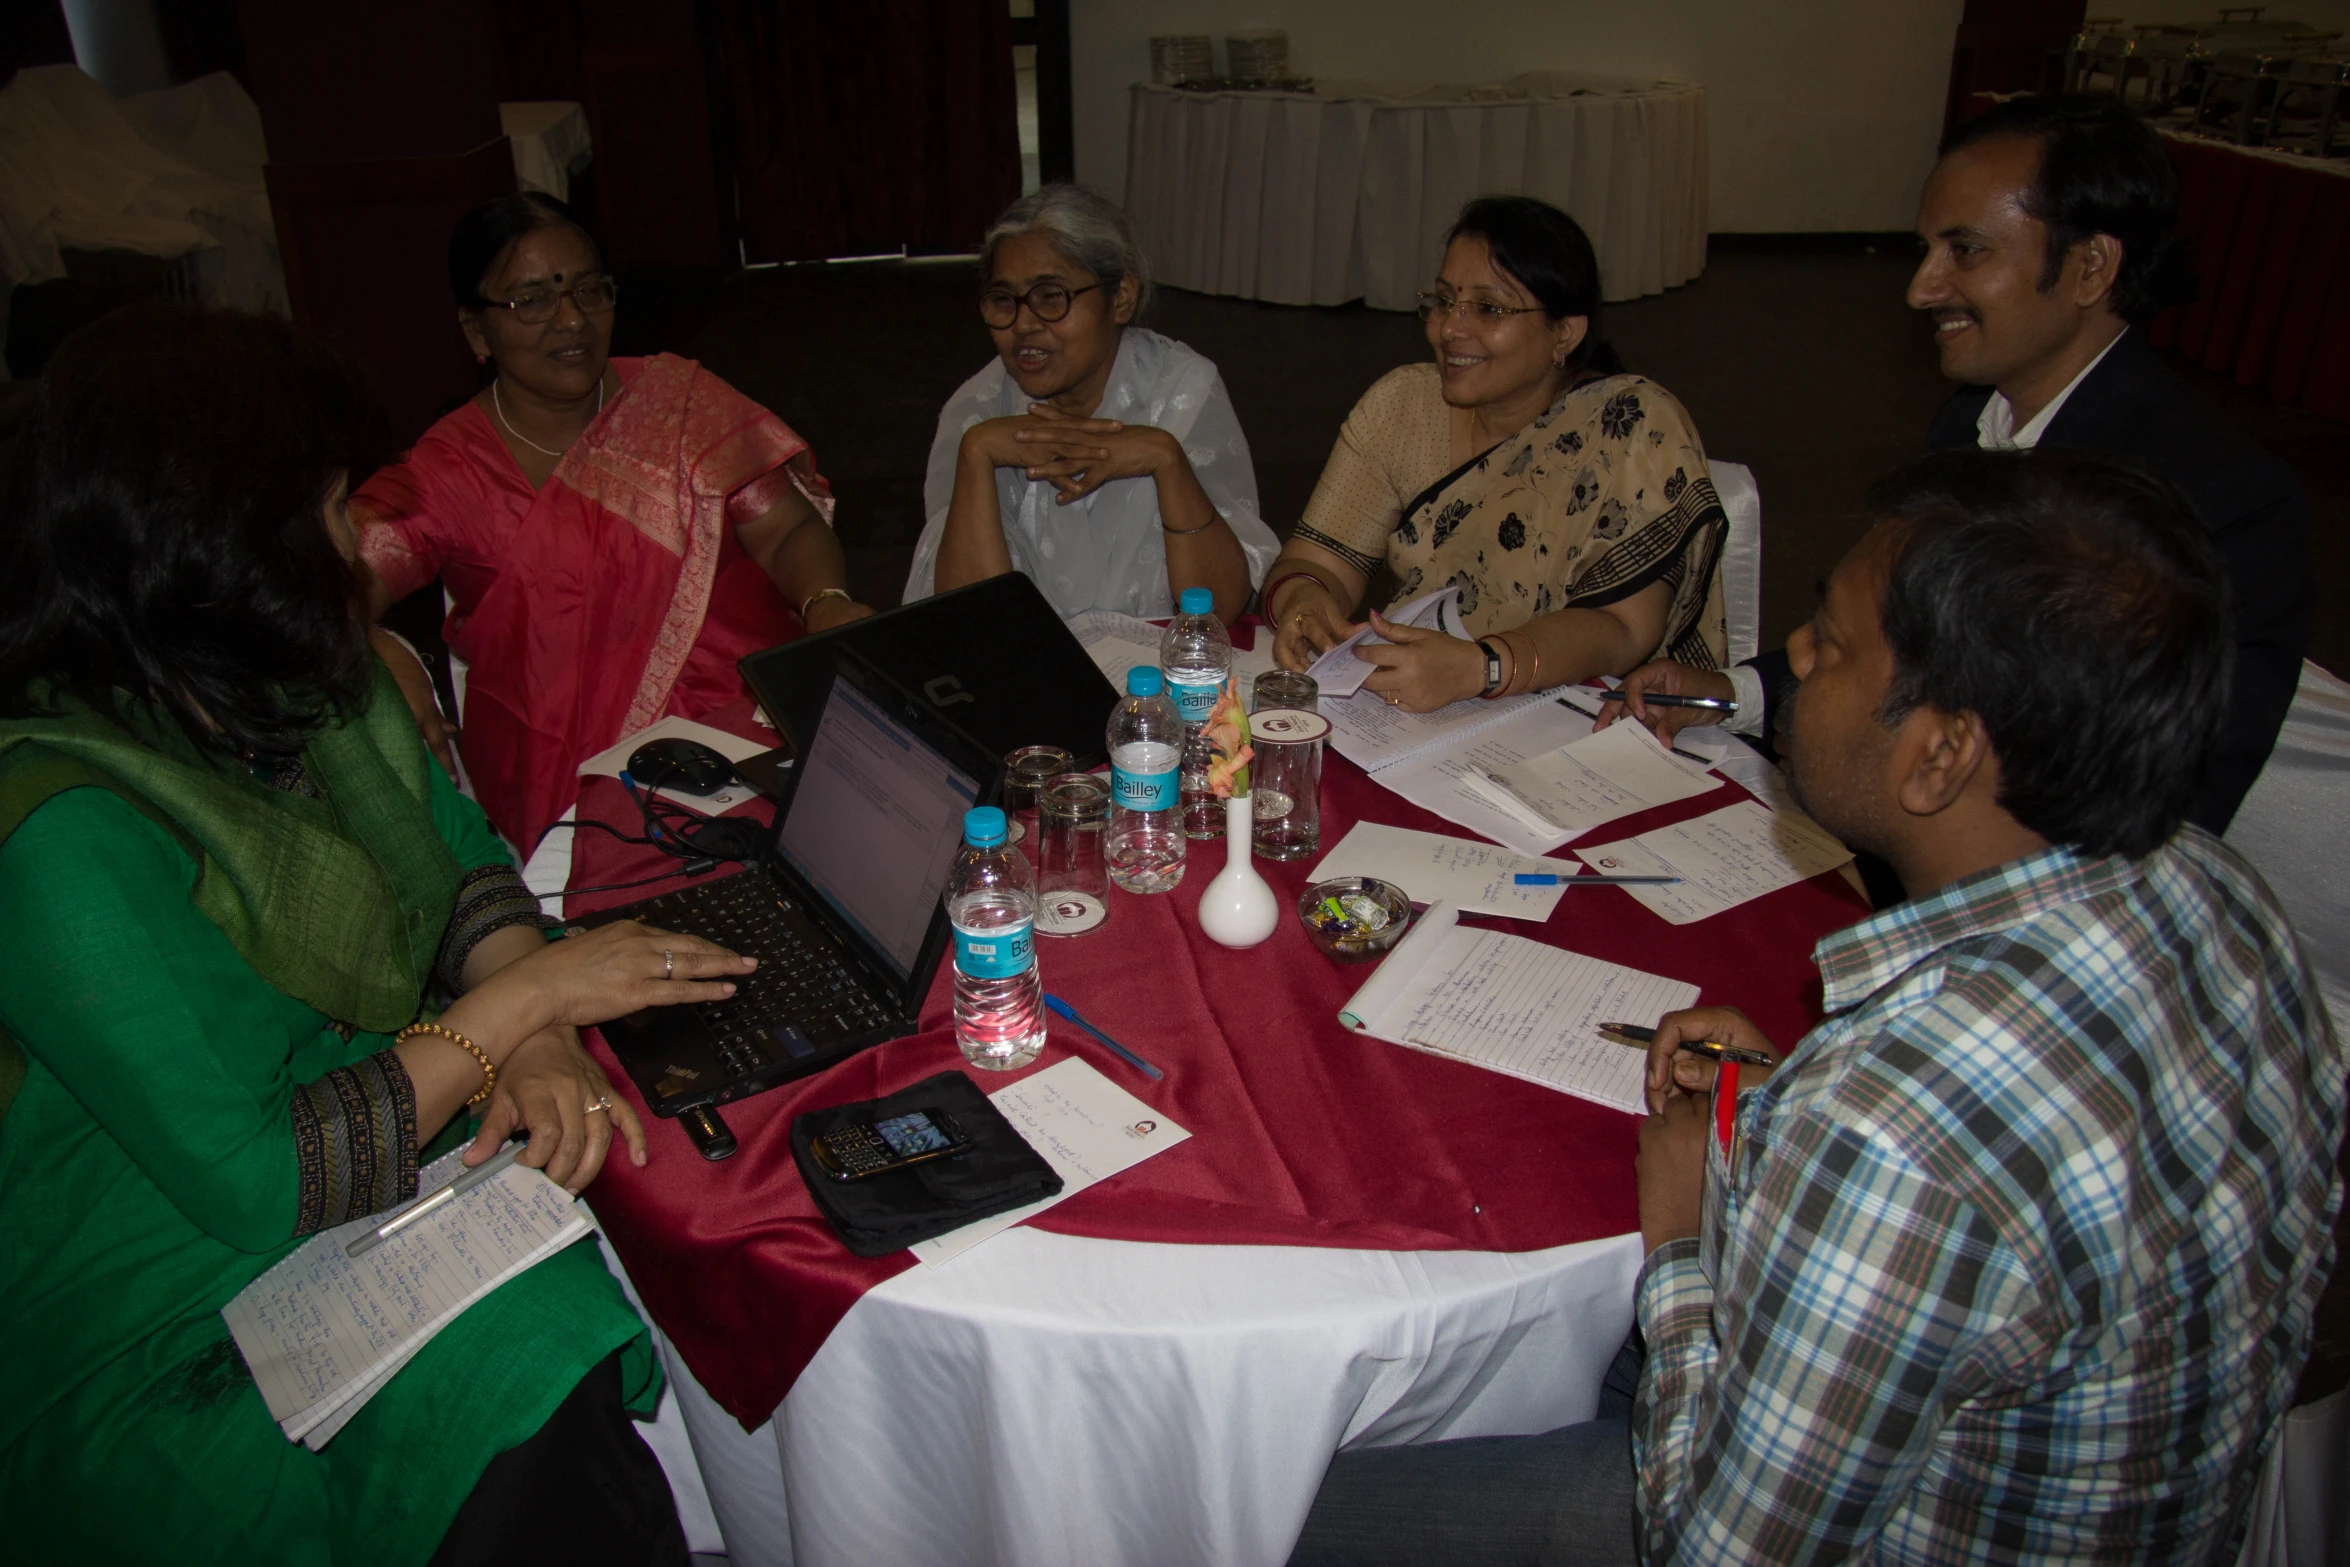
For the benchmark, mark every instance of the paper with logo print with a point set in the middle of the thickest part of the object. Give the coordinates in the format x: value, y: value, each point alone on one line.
x: 1732, y: 856
x: 1085, y: 1126
x: 1476, y: 878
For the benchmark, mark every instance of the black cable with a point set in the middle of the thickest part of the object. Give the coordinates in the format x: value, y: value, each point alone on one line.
x: 698, y: 867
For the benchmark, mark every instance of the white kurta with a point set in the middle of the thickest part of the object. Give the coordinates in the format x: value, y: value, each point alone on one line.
x: 1105, y: 551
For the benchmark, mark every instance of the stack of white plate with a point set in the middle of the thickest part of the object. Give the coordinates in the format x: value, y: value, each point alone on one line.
x: 1182, y: 57
x: 1257, y: 57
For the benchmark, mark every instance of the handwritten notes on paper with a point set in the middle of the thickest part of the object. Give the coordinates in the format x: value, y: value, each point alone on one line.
x: 322, y: 1331
x: 1729, y: 857
x: 1439, y: 780
x: 1474, y: 877
x: 1619, y: 771
x: 1085, y: 1126
x: 1518, y: 1007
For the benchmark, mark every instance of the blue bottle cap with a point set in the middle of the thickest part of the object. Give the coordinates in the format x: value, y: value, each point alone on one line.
x: 1145, y: 680
x: 984, y: 827
x: 1198, y: 601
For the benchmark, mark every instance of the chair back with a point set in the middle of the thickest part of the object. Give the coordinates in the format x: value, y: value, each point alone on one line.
x: 2291, y: 828
x: 1741, y: 557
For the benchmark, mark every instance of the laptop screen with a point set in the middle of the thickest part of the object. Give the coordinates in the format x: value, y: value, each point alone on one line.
x: 874, y: 823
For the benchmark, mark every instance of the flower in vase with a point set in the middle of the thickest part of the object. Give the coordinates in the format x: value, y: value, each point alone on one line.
x: 1228, y: 747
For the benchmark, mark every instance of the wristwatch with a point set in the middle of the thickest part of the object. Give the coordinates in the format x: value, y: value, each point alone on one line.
x: 1492, y: 667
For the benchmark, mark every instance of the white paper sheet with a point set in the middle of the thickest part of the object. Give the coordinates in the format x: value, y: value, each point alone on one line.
x: 322, y: 1331
x: 1620, y: 771
x: 1117, y: 642
x: 611, y: 761
x: 1517, y: 1006
x: 1372, y: 735
x: 1339, y: 673
x: 1473, y: 877
x: 1438, y: 780
x: 1726, y: 858
x: 1085, y: 1126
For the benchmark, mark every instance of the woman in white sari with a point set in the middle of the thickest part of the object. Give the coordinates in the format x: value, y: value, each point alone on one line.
x: 1097, y: 456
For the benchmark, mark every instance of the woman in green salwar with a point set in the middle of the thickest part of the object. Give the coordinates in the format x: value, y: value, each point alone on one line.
x: 232, y: 884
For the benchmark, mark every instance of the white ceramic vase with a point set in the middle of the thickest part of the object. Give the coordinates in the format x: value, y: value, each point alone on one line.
x: 1237, y: 909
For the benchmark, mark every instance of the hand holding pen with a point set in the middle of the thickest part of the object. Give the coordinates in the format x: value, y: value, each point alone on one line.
x: 1684, y: 1046
x: 1669, y: 697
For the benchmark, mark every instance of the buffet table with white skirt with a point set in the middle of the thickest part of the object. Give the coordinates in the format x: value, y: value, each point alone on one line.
x: 1343, y: 193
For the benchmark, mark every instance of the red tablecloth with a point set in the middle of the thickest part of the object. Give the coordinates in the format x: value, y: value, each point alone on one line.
x: 1303, y: 1133
x: 2270, y: 238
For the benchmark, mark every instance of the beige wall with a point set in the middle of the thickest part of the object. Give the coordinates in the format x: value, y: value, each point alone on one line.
x: 1824, y: 113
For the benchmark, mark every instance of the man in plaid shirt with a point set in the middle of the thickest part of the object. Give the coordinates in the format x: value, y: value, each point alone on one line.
x: 2013, y: 1258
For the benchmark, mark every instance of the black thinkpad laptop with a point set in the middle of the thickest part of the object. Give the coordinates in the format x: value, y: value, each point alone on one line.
x: 994, y: 657
x: 843, y: 910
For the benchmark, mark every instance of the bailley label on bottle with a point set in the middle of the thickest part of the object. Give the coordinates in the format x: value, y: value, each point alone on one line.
x: 998, y: 954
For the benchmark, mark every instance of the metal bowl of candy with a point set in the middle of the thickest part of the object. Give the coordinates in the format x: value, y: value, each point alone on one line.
x: 1355, y: 919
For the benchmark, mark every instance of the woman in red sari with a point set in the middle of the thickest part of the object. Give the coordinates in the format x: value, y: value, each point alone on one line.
x: 615, y: 533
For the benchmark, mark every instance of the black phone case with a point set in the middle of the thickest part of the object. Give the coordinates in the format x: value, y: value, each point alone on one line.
x: 891, y: 1211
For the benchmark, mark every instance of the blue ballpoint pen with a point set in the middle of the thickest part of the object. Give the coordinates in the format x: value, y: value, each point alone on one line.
x: 1129, y: 1057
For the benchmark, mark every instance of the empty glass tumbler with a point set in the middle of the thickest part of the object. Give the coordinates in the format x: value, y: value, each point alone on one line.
x: 1072, y: 869
x: 1026, y: 772
x: 1285, y: 780
x: 1284, y: 688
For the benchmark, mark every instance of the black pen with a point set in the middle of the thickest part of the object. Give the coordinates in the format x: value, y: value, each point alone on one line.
x: 1641, y: 1038
x: 1710, y: 704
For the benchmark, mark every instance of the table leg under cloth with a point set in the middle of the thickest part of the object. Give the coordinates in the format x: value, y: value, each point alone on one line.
x: 1142, y: 1404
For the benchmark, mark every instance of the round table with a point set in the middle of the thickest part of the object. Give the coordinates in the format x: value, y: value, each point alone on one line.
x: 1436, y: 1251
x: 1345, y: 192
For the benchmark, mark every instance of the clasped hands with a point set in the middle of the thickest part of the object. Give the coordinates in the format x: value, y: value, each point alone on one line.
x: 1671, y: 1162
x: 1418, y: 670
x: 1076, y: 456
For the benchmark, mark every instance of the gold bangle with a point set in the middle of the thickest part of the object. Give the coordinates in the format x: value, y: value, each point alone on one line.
x: 489, y: 1073
x: 1214, y: 517
x: 1533, y: 680
x: 809, y: 602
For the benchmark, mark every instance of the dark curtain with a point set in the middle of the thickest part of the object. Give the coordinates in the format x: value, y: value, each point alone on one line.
x: 861, y: 128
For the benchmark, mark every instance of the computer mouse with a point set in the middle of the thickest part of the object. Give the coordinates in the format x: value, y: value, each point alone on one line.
x: 679, y: 764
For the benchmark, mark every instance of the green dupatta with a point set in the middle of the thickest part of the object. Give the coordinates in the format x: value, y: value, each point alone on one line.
x: 340, y: 901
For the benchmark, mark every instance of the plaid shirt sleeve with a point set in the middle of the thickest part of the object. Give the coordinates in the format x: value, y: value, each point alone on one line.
x: 1786, y: 1413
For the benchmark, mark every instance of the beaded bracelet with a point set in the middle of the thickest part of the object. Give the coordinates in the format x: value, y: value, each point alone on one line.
x: 489, y: 1073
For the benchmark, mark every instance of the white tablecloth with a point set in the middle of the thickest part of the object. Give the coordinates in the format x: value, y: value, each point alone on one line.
x: 550, y: 144
x: 1049, y: 1399
x: 1345, y: 193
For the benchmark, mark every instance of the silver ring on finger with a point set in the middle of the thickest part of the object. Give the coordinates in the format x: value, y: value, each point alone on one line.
x: 603, y: 1102
x: 668, y: 964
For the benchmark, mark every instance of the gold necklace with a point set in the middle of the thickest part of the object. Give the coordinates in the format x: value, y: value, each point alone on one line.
x: 499, y: 403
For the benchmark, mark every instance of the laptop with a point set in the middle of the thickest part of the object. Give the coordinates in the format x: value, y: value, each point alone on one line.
x: 844, y: 907
x: 994, y: 657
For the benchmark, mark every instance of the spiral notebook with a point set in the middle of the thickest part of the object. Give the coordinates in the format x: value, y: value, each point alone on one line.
x: 322, y: 1331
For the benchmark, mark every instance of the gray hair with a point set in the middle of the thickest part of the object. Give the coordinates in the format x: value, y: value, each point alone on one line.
x: 1082, y: 224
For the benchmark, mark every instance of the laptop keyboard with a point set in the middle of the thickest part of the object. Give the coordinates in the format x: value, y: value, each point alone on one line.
x: 801, y: 999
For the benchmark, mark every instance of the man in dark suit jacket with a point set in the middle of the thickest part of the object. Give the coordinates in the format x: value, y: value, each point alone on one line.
x: 2048, y: 226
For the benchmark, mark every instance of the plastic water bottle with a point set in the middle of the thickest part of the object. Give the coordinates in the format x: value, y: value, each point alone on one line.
x: 991, y: 900
x: 1197, y: 658
x: 1145, y: 840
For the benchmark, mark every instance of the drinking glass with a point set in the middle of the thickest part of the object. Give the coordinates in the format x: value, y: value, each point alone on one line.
x: 1278, y: 688
x: 1026, y: 772
x: 1285, y: 780
x: 1072, y: 871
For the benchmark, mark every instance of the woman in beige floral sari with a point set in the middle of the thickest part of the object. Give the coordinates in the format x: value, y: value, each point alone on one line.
x: 1568, y: 501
